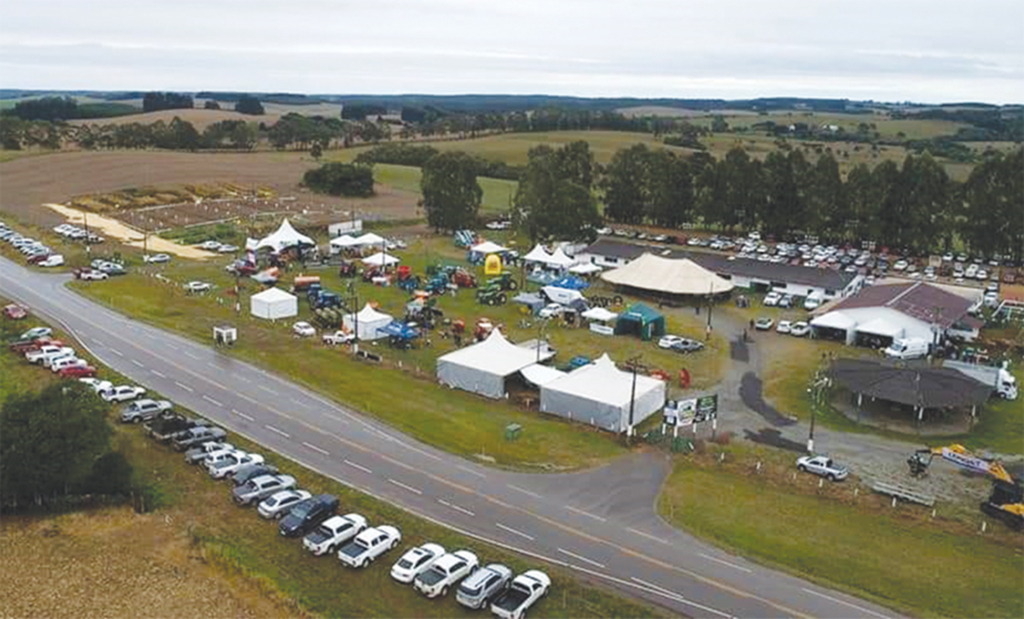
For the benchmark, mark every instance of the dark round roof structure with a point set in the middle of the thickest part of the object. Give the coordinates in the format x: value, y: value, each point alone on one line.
x: 910, y: 384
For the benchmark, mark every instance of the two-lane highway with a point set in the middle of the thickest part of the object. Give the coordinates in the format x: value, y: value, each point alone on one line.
x: 599, y: 523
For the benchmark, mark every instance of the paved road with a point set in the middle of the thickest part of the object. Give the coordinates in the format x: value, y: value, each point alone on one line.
x: 599, y: 523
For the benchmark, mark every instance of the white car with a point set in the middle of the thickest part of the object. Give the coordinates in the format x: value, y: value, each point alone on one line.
x: 303, y: 329
x: 783, y: 327
x: 416, y: 560
x: 822, y: 465
x: 337, y: 338
x: 231, y: 463
x: 280, y: 503
x: 96, y: 384
x: 93, y: 275
x: 41, y: 354
x: 799, y: 329
x: 668, y: 341
x: 156, y: 258
x: 197, y: 287
x: 210, y: 245
x: 445, y: 572
x: 333, y: 532
x: 772, y: 299
x: 57, y: 365
x: 551, y: 310
x: 523, y: 593
x: 227, y: 249
x: 122, y: 393
x: 55, y: 260
x: 369, y: 545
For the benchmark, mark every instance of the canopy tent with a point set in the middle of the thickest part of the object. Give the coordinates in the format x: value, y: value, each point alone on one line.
x: 540, y: 374
x: 487, y: 247
x: 600, y: 393
x: 570, y: 282
x: 273, y: 303
x: 380, y: 259
x: 560, y: 260
x: 917, y: 386
x: 284, y: 237
x: 537, y: 254
x: 344, y: 241
x: 641, y: 320
x: 367, y: 323
x: 251, y: 244
x: 834, y: 320
x: 599, y: 314
x: 683, y: 276
x: 585, y: 269
x: 369, y: 239
x: 483, y: 367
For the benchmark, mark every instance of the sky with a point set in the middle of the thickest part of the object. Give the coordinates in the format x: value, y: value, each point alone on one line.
x: 928, y: 51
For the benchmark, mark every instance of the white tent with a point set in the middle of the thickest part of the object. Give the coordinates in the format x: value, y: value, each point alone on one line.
x: 537, y: 254
x: 273, y: 303
x: 684, y: 276
x: 483, y: 367
x: 600, y: 393
x: 834, y: 320
x: 560, y: 260
x: 344, y: 241
x: 585, y: 269
x: 369, y: 239
x: 251, y: 244
x: 599, y: 314
x: 541, y: 374
x: 369, y: 321
x: 487, y: 247
x: 285, y: 236
x: 881, y: 327
x: 381, y: 259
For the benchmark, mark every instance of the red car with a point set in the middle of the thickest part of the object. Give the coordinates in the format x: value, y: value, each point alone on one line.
x: 15, y: 311
x: 22, y: 347
x: 77, y: 371
x: 36, y: 259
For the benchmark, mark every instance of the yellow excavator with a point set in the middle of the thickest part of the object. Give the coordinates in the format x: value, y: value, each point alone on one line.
x: 1007, y: 499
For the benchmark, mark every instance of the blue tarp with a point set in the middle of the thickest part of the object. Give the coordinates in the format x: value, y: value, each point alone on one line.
x: 399, y: 330
x: 570, y: 282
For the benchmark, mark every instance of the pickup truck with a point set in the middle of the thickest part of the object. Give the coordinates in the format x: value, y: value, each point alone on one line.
x: 163, y: 429
x: 122, y: 393
x: 337, y: 338
x: 144, y: 410
x: 198, y: 454
x: 197, y: 435
x: 369, y: 545
x: 40, y: 354
x: 444, y: 573
x: 333, y: 532
x: 308, y: 514
x: 259, y: 488
x: 231, y: 463
x: 524, y: 592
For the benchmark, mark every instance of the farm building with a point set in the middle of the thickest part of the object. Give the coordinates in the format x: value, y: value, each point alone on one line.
x: 881, y: 313
x: 601, y: 394
x: 483, y: 367
x: 273, y: 303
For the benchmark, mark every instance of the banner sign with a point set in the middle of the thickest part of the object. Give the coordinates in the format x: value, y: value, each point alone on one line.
x: 968, y: 462
x: 346, y: 227
x: 707, y: 408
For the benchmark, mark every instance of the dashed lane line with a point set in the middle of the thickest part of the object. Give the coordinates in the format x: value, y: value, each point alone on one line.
x: 316, y: 449
x: 185, y: 387
x: 513, y: 531
x: 583, y: 513
x: 678, y: 598
x: 242, y: 415
x: 456, y: 507
x: 525, y: 491
x: 647, y: 535
x: 268, y: 389
x: 191, y: 356
x: 580, y: 558
x: 723, y: 562
x: 358, y: 466
x: 160, y: 374
x: 470, y: 471
x: 277, y: 431
x: 211, y: 400
x: 116, y: 352
x: 838, y: 601
x: 409, y: 488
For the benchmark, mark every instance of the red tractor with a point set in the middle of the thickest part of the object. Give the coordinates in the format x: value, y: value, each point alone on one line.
x: 463, y: 278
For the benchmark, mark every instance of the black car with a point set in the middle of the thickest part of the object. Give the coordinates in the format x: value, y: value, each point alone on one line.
x: 252, y: 471
x: 165, y: 429
x: 308, y: 514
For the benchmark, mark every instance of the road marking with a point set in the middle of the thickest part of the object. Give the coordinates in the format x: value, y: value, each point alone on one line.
x: 268, y: 389
x: 188, y: 354
x: 242, y: 415
x: 583, y: 513
x: 172, y: 346
x: 211, y: 400
x: 158, y: 374
x: 137, y: 363
x: 732, y: 565
x: 675, y: 596
x: 96, y: 341
x: 513, y: 531
x: 838, y: 601
x: 456, y: 507
x: 647, y: 535
x: 401, y: 485
x: 416, y: 449
x: 315, y: 448
x: 576, y: 556
x: 116, y: 352
x: 276, y: 431
x: 213, y: 365
x: 303, y: 405
x: 357, y: 466
x: 524, y: 491
x: 470, y: 471
x: 242, y: 378
x: 185, y: 387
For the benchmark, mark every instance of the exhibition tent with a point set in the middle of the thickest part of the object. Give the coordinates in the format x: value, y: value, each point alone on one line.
x: 344, y: 241
x: 586, y: 268
x: 483, y: 367
x: 488, y: 247
x: 537, y: 254
x: 560, y: 260
x: 369, y: 322
x: 274, y: 303
x: 284, y: 237
x: 369, y: 239
x: 666, y: 275
x: 600, y: 394
x: 641, y: 320
x: 381, y: 259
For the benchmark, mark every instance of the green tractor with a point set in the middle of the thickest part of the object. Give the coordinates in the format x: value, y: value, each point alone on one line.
x: 506, y: 281
x: 491, y: 294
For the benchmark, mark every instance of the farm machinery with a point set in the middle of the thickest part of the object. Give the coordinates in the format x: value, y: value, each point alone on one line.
x: 348, y: 269
x: 506, y: 281
x: 491, y: 294
x: 424, y: 312
x: 318, y: 298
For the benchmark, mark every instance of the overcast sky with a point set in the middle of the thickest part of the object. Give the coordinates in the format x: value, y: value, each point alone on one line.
x: 890, y: 50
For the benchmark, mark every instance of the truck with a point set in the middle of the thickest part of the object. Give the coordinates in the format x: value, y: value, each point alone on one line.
x: 523, y: 593
x: 909, y: 348
x: 1004, y: 385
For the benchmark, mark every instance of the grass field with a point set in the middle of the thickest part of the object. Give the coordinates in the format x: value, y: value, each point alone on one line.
x: 497, y: 197
x: 898, y: 558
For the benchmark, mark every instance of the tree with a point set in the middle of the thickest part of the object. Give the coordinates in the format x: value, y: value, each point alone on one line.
x: 993, y: 200
x: 156, y: 101
x: 718, y: 124
x: 553, y: 200
x: 248, y: 104
x: 451, y: 193
x: 744, y: 188
x: 670, y: 188
x: 341, y: 179
x: 211, y: 105
x: 625, y: 185
x: 827, y: 210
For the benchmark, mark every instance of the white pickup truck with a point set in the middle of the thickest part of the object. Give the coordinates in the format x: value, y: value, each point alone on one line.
x: 524, y: 592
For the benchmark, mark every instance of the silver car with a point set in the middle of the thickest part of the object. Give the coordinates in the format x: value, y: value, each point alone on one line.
x: 483, y: 585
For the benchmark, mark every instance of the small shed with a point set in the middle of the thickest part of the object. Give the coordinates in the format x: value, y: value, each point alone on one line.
x: 642, y: 321
x: 274, y: 303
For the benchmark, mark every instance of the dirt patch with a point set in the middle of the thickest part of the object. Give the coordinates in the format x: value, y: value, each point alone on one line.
x: 117, y: 230
x: 114, y: 563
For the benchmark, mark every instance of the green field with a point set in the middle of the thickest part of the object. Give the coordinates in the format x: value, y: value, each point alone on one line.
x: 497, y: 197
x: 898, y: 559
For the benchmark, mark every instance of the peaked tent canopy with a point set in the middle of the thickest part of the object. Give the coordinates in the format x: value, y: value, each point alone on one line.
x: 560, y: 260
x: 601, y: 394
x: 666, y: 275
x: 599, y: 314
x: 537, y: 254
x: 369, y: 321
x: 585, y: 269
x: 344, y: 241
x: 487, y: 247
x: 641, y: 320
x: 380, y: 259
x: 369, y: 239
x: 284, y: 237
x: 483, y: 367
x: 273, y: 303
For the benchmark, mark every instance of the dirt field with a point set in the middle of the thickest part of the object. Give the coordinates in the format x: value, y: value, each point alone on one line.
x: 199, y: 118
x: 25, y: 184
x: 114, y: 563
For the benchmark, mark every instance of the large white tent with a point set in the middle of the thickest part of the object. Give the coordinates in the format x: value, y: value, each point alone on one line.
x: 366, y: 323
x: 537, y: 254
x: 585, y: 269
x: 600, y: 394
x: 273, y: 303
x: 284, y: 237
x: 559, y: 260
x: 488, y: 247
x: 672, y: 276
x: 380, y: 259
x: 369, y: 239
x: 483, y: 367
x: 343, y: 242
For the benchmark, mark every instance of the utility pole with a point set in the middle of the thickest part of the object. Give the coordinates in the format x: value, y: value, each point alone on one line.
x: 88, y: 246
x: 634, y: 366
x: 819, y: 393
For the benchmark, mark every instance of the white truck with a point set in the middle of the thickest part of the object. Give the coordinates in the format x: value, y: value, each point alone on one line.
x: 1003, y: 382
x: 910, y: 348
x: 523, y: 593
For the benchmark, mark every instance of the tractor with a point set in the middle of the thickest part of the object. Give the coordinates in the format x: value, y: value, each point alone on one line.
x: 491, y: 294
x: 348, y: 269
x: 410, y: 283
x: 463, y: 278
x: 506, y: 281
x: 438, y: 284
x: 327, y: 300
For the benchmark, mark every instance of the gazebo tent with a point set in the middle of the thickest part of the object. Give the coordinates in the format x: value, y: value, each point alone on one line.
x: 537, y: 254
x: 273, y: 303
x: 586, y: 268
x: 666, y: 275
x: 641, y: 320
x: 342, y: 242
x: 560, y: 260
x: 381, y: 259
x: 483, y: 367
x: 284, y: 237
x: 487, y: 247
x: 369, y: 240
x: 600, y: 393
x: 370, y: 323
x: 599, y: 314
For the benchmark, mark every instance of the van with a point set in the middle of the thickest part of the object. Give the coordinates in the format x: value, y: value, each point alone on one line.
x: 1006, y: 385
x: 913, y: 348
x: 813, y: 301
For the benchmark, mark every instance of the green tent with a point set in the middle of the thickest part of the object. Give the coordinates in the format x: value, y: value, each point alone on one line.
x: 640, y: 320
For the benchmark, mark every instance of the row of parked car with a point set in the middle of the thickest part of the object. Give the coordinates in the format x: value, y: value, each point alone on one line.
x: 75, y: 233
x: 39, y: 348
x: 35, y: 252
x: 429, y: 568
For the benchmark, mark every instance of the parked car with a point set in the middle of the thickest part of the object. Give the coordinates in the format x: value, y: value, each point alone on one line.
x: 227, y: 249
x: 36, y: 333
x: 308, y: 514
x: 90, y: 274
x: 111, y: 268
x: 333, y: 532
x: 764, y: 323
x: 77, y: 371
x: 686, y: 345
x: 197, y: 286
x: 303, y: 329
x: 416, y: 560
x: 210, y: 245
x: 337, y: 338
x: 523, y: 593
x: 551, y: 310
x: 164, y: 428
x: 215, y: 457
x: 252, y: 471
x: 786, y: 301
x: 279, y: 503
x: 668, y: 341
x: 783, y: 327
x: 144, y: 410
x: 261, y: 487
x: 156, y: 258
x: 772, y: 299
x: 56, y: 365
x: 53, y: 260
x: 195, y: 436
x: 15, y: 312
x: 199, y: 453
x: 231, y: 463
x: 800, y: 329
x: 122, y: 393
x: 483, y: 585
x: 369, y: 545
x: 47, y: 353
x: 96, y: 384
x: 823, y: 466
x: 445, y: 572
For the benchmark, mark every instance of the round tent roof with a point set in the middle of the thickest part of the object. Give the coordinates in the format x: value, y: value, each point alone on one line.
x: 672, y: 276
x: 910, y: 385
